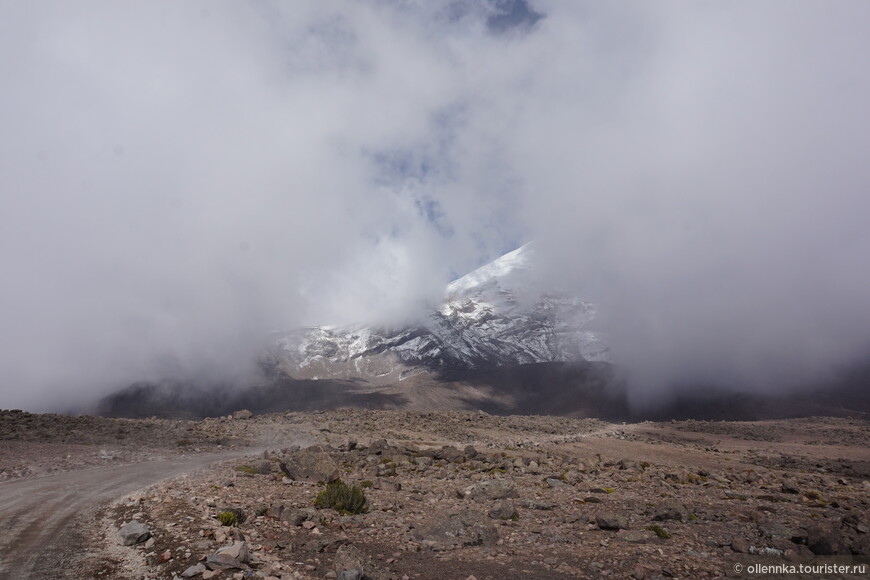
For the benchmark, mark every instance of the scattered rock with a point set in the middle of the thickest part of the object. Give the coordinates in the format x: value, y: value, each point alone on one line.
x: 823, y: 540
x: 235, y: 556
x: 538, y: 505
x: 636, y: 536
x: 611, y: 521
x: 350, y: 563
x: 790, y: 487
x: 556, y: 483
x: 193, y: 571
x: 242, y: 414
x: 491, y: 489
x: 739, y: 545
x: 387, y: 485
x: 134, y: 533
x: 296, y: 516
x: 310, y: 464
x: 772, y: 529
x: 457, y: 530
x: 451, y: 454
x: 671, y: 510
x: 504, y: 511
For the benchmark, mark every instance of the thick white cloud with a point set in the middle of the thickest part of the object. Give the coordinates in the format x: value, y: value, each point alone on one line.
x: 176, y: 179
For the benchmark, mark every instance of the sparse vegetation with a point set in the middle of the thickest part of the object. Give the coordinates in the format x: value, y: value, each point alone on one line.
x: 343, y: 498
x: 246, y: 469
x: 659, y: 531
x: 228, y: 518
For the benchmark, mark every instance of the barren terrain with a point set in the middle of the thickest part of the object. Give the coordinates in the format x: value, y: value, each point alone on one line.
x: 448, y: 495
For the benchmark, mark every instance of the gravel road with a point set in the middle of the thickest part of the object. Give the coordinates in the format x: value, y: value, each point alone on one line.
x: 36, y: 515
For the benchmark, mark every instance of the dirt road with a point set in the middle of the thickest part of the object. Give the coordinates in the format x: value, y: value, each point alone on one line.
x: 36, y: 535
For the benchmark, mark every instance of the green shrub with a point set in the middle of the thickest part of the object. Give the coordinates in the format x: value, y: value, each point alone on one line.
x: 246, y: 469
x: 228, y: 518
x: 342, y: 498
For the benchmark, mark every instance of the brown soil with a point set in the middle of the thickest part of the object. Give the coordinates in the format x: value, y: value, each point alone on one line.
x: 764, y: 490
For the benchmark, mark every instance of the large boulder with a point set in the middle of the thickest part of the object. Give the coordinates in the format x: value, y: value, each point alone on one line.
x: 310, y: 464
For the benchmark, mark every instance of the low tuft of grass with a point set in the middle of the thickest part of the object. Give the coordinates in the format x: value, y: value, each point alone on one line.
x: 343, y: 498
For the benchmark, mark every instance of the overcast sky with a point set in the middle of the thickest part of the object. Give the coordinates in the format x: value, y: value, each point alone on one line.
x: 179, y: 178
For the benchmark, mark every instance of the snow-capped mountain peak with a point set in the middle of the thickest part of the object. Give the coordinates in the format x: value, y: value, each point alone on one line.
x: 500, y: 269
x: 480, y: 324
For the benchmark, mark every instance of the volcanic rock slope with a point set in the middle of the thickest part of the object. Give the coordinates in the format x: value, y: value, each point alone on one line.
x: 494, y: 316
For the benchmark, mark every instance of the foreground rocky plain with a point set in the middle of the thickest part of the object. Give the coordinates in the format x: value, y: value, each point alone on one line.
x: 458, y: 495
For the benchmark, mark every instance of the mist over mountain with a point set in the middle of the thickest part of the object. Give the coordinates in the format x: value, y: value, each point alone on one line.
x: 499, y: 342
x: 180, y: 181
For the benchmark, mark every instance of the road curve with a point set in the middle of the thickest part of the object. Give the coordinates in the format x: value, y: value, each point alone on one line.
x: 35, y: 513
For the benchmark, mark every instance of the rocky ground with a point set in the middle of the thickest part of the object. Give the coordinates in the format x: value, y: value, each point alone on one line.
x: 39, y: 444
x: 461, y: 495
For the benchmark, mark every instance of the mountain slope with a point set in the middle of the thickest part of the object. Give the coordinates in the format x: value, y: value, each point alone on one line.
x: 491, y: 317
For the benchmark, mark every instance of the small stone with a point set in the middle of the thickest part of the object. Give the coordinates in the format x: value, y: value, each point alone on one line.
x: 556, y: 483
x: 671, y: 510
x: 504, y: 511
x: 387, y: 485
x: 635, y: 536
x: 193, y: 571
x: 610, y: 521
x: 295, y: 516
x: 789, y: 487
x: 351, y: 564
x: 451, y: 454
x: 489, y: 490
